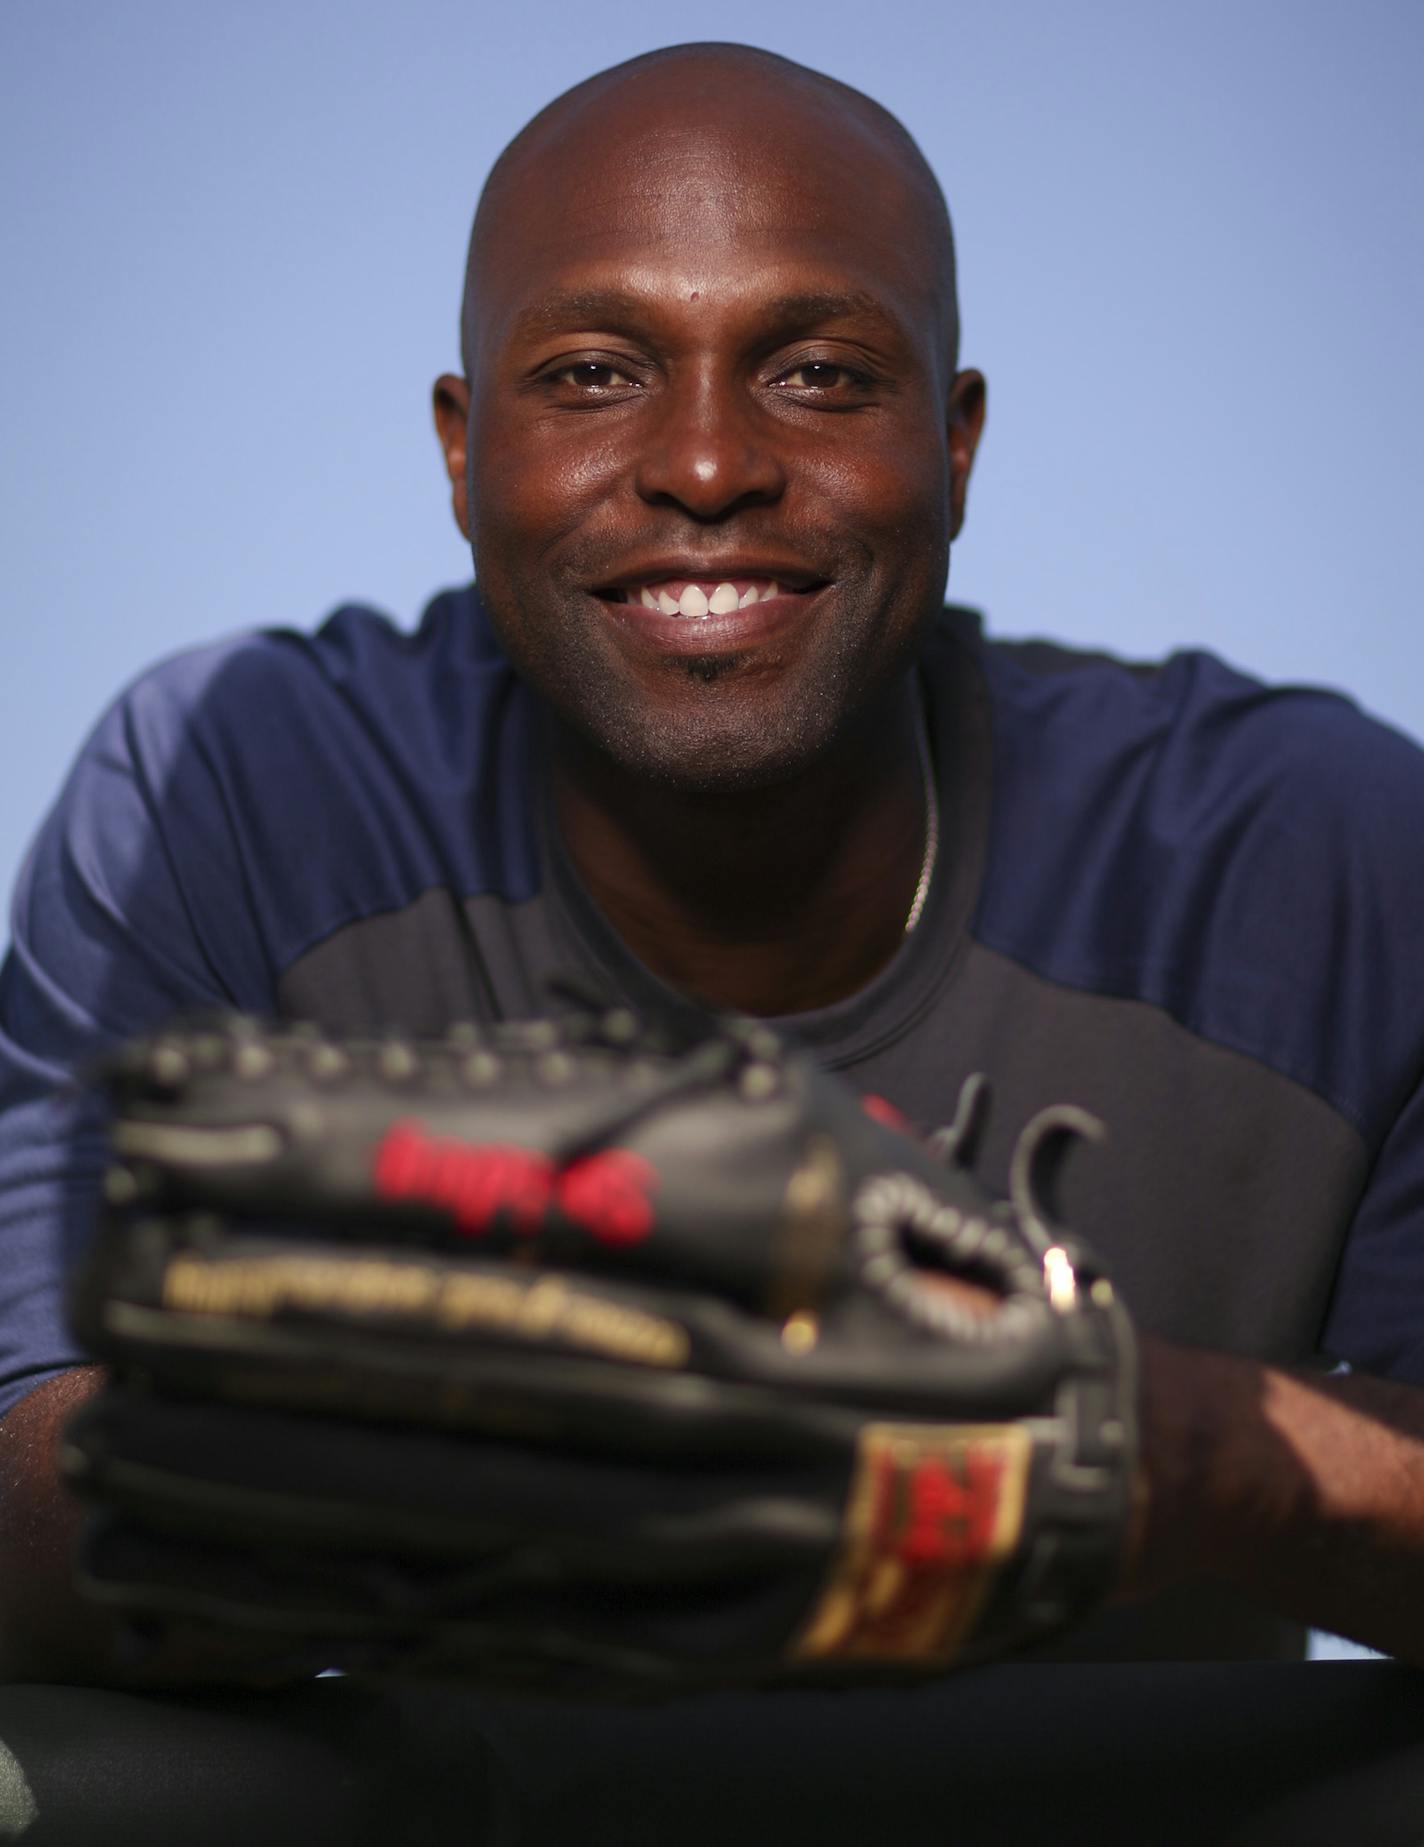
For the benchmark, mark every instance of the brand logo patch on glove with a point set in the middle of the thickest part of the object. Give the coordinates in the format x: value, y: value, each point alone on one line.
x: 933, y: 1511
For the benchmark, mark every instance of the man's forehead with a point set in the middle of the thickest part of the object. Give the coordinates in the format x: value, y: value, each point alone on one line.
x: 711, y: 181
x: 707, y: 161
x: 703, y: 209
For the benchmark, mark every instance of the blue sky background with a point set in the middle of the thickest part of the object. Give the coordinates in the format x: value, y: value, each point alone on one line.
x: 1191, y: 267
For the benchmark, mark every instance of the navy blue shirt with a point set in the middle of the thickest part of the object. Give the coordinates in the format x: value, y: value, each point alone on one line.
x: 1188, y: 901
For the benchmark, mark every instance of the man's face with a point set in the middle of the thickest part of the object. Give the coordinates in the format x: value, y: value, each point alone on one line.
x: 716, y: 448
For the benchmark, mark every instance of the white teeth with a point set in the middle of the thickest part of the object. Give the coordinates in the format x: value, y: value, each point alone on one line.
x: 696, y: 602
x: 723, y: 600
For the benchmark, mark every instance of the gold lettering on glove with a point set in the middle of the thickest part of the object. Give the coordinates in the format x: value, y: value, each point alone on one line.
x: 545, y: 1308
x: 812, y: 1231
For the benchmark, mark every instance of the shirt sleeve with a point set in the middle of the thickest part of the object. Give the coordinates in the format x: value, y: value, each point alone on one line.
x: 130, y: 908
x: 1375, y: 1324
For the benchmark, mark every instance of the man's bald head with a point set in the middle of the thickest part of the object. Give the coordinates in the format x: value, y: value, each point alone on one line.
x: 779, y: 108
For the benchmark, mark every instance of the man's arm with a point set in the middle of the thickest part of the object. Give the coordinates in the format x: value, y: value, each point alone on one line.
x: 47, y: 1632
x: 1306, y: 1494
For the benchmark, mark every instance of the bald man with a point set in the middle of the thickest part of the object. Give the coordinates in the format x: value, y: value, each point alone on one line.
x: 704, y: 731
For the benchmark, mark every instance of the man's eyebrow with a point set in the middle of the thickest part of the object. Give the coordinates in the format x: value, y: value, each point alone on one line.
x: 811, y: 307
x: 580, y: 307
x: 617, y: 308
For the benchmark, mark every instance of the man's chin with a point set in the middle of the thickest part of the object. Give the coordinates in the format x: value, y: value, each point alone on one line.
x: 708, y: 722
x: 712, y: 753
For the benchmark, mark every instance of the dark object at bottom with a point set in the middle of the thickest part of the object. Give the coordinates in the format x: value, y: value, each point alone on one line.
x: 1251, y: 1755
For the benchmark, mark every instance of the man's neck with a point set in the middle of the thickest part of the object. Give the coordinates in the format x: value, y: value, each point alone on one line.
x: 768, y: 901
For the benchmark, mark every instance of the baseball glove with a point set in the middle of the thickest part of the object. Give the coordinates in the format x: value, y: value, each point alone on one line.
x: 569, y: 1355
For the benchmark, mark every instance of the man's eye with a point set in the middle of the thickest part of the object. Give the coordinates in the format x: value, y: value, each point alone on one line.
x: 824, y: 375
x: 593, y: 378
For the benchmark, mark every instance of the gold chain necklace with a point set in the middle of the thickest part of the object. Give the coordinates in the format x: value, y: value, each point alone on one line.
x: 927, y: 864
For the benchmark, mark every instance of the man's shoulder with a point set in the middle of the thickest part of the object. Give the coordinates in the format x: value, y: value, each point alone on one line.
x: 1190, y: 736
x: 247, y: 689
x: 284, y: 783
x: 1246, y: 857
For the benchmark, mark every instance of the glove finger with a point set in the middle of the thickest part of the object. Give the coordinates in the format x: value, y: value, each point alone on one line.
x: 206, y: 1467
x: 383, y: 1612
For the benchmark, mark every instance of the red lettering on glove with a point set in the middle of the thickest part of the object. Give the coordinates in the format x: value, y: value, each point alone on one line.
x: 932, y: 1516
x: 608, y: 1192
x: 605, y: 1192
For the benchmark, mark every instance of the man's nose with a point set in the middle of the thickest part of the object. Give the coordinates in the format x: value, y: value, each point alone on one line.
x: 710, y: 452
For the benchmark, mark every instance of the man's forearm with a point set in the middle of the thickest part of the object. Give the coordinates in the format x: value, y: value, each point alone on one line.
x: 1307, y: 1494
x: 47, y: 1632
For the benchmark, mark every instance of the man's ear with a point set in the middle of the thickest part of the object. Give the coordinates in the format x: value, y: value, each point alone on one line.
x: 452, y: 422
x: 968, y: 401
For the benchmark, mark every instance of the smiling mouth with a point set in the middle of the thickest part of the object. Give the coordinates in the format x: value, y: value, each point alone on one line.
x: 700, y: 597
